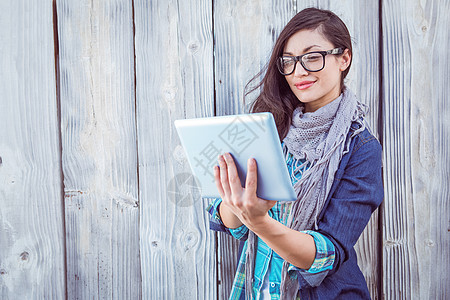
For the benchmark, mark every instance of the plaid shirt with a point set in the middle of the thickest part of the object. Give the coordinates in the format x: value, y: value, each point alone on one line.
x: 266, y: 257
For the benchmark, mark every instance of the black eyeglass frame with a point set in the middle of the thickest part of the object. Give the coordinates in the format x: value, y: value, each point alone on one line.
x: 299, y: 59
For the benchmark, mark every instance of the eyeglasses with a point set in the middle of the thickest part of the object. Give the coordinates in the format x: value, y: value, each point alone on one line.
x: 311, y: 61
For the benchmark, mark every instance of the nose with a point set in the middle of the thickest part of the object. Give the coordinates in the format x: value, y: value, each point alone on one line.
x: 299, y: 70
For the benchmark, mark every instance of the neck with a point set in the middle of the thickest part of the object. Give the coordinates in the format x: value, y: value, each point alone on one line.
x: 312, y: 107
x: 315, y: 105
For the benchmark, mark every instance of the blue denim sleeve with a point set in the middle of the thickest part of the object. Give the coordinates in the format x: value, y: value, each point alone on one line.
x: 356, y: 193
x: 217, y: 224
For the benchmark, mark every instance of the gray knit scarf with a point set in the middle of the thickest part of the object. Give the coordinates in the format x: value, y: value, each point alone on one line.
x: 319, y: 138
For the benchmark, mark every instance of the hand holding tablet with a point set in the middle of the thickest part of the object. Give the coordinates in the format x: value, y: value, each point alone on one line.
x: 243, y: 136
x: 240, y: 205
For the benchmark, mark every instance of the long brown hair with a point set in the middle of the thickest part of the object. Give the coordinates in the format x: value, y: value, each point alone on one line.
x: 276, y: 96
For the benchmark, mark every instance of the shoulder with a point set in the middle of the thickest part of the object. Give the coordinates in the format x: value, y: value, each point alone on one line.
x: 363, y: 139
x: 363, y: 152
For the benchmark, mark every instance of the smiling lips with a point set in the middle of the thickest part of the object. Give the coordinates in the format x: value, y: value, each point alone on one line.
x: 304, y: 85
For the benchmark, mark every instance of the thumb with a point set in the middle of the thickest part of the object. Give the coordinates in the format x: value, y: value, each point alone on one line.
x: 251, y: 181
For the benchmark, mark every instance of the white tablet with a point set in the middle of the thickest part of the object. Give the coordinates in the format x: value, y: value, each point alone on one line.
x: 244, y: 136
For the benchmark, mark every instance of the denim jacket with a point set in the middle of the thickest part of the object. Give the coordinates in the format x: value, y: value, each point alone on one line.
x: 356, y: 192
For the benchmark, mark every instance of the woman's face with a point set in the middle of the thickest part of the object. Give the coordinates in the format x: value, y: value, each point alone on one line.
x: 315, y: 89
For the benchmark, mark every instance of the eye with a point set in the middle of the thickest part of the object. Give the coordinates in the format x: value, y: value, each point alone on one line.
x: 287, y: 61
x: 312, y: 57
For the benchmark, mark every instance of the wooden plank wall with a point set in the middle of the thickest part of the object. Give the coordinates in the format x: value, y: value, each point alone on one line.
x: 31, y: 211
x: 92, y: 201
x: 99, y: 157
x: 416, y: 256
x: 174, y: 80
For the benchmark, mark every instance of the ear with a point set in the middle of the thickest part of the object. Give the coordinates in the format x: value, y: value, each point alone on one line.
x: 344, y: 60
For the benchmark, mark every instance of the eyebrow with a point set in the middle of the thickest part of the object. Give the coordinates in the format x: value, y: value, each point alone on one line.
x: 304, y: 50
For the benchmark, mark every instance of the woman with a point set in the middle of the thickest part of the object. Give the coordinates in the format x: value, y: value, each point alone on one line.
x: 305, y: 249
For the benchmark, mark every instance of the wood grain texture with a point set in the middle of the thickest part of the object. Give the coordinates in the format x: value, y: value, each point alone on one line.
x: 174, y: 80
x: 31, y: 214
x: 245, y: 32
x: 416, y: 255
x: 228, y: 248
x: 126, y: 240
x: 99, y: 156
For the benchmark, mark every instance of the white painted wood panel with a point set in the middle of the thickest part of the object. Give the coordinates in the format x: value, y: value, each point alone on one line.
x: 111, y: 221
x: 174, y: 80
x: 99, y: 155
x: 31, y: 214
x: 416, y: 140
x: 245, y: 32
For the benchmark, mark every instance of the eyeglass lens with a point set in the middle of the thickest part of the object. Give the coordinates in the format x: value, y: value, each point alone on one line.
x: 311, y: 62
